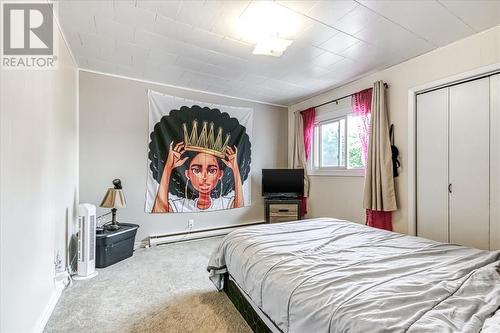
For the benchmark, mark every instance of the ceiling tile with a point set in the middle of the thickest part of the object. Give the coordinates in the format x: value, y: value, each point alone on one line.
x: 297, y: 77
x: 235, y: 48
x: 205, y: 39
x: 130, y: 71
x: 157, y: 56
x: 221, y: 71
x: 315, y: 71
x: 298, y: 53
x: 89, y: 52
x: 131, y: 49
x: 168, y: 8
x: 326, y: 59
x: 85, y: 9
x: 96, y: 41
x: 133, y: 16
x: 361, y: 51
x: 70, y: 18
x: 227, y: 23
x: 339, y: 42
x: 316, y: 33
x: 300, y: 6
x: 113, y: 56
x: 168, y: 27
x: 108, y: 27
x: 330, y: 12
x: 202, y: 14
x: 164, y: 74
x: 479, y: 14
x: 357, y: 19
x: 221, y: 59
x: 153, y: 40
x: 391, y: 38
x: 188, y: 63
x: 102, y: 66
x: 424, y: 18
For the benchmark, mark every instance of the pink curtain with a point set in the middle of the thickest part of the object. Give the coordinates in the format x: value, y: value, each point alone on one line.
x: 379, y: 219
x: 308, y: 118
x: 361, y: 106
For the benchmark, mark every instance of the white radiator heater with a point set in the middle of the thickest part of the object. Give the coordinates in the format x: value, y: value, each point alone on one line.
x: 86, y: 241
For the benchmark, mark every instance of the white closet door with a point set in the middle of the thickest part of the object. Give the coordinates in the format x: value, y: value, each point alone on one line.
x: 495, y: 162
x: 469, y: 163
x: 432, y: 165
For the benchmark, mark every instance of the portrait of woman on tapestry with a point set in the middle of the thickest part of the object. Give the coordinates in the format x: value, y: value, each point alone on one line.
x: 200, y: 159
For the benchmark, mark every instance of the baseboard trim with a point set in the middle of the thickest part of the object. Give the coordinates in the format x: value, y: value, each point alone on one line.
x: 139, y: 244
x: 196, y: 234
x: 49, y: 308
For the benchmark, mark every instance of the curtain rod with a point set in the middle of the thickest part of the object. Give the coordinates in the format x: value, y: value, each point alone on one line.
x: 340, y: 98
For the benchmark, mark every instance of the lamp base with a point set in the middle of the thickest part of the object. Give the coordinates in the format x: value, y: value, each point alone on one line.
x: 112, y: 227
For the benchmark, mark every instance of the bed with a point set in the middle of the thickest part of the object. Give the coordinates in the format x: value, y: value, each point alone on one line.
x: 329, y: 275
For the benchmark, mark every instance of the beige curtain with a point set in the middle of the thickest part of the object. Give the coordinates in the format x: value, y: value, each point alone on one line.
x: 299, y: 153
x: 379, y: 193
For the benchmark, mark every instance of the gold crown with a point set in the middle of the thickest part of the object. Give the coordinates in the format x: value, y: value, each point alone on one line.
x: 206, y: 141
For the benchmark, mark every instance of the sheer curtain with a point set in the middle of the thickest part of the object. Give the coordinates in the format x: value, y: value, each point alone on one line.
x: 304, y: 130
x: 308, y: 118
x: 361, y: 107
x: 379, y: 194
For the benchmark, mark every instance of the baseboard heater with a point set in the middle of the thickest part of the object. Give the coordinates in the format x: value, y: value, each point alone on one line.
x: 197, y: 234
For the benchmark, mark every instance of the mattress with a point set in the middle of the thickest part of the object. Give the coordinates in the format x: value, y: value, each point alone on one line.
x: 328, y: 275
x: 257, y: 310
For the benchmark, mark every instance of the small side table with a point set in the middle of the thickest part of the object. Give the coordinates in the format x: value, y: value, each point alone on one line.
x: 282, y: 210
x: 113, y: 246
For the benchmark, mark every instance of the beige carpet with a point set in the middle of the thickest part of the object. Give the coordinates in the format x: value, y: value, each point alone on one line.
x: 205, y: 312
x: 163, y: 289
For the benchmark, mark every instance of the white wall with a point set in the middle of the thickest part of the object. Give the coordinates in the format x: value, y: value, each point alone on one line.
x: 114, y: 144
x: 340, y: 196
x: 38, y: 187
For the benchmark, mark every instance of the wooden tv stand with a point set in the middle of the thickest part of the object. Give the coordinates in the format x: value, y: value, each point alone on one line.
x: 282, y: 209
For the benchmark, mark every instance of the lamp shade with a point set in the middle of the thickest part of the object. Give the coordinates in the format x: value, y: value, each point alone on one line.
x: 114, y: 198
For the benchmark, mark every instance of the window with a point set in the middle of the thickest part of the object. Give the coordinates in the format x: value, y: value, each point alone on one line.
x: 337, y: 147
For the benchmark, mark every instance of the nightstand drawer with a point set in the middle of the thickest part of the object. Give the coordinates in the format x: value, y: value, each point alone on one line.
x: 283, y: 210
x: 277, y: 219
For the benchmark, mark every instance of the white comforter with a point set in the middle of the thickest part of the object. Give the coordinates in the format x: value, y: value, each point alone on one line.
x: 327, y: 275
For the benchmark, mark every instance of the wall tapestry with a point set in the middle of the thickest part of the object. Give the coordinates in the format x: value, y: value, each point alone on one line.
x: 199, y: 155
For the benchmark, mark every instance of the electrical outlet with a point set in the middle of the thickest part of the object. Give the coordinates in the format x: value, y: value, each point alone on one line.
x: 190, y: 224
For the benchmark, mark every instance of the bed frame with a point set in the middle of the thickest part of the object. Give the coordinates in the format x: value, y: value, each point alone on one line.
x: 245, y: 309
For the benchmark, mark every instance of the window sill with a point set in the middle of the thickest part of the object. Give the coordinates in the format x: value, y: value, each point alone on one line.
x: 337, y: 173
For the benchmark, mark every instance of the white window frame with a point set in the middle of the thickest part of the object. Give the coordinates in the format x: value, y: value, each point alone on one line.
x: 323, y: 118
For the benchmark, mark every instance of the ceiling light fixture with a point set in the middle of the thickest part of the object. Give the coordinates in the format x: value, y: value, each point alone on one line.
x: 272, y: 46
x: 269, y: 26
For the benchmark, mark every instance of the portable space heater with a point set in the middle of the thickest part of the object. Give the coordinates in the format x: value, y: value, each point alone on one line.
x: 86, y: 241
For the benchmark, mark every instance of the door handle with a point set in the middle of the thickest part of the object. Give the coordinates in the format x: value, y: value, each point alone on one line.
x: 449, y: 188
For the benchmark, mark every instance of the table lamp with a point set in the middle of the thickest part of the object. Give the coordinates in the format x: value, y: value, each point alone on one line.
x: 114, y: 199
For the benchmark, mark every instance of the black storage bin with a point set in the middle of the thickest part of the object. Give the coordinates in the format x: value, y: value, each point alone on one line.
x: 115, y: 245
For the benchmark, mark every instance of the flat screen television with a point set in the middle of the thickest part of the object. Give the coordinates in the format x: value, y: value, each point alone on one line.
x: 282, y: 182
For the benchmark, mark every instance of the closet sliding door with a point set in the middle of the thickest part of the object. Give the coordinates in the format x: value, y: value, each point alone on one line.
x: 432, y: 165
x: 469, y: 164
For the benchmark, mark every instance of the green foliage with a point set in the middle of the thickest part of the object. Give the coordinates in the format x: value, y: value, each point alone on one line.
x: 355, y: 155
